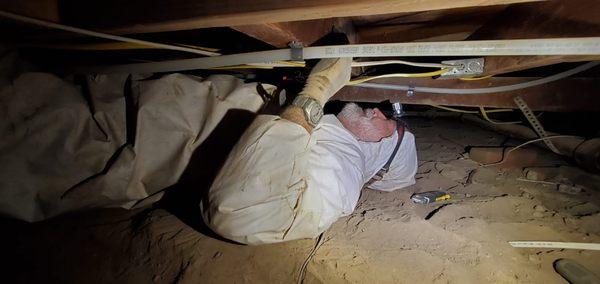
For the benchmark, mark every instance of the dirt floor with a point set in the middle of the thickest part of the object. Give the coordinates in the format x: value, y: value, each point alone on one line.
x: 388, y: 239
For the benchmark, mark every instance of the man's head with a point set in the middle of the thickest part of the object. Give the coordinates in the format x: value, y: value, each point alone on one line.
x: 369, y: 125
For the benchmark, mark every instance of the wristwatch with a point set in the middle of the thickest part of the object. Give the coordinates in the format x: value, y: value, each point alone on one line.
x: 313, y: 112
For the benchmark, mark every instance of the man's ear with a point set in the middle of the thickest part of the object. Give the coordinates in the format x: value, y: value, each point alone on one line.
x: 378, y: 113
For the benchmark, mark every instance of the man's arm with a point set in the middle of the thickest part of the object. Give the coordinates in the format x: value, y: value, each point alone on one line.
x: 296, y: 114
x: 326, y: 78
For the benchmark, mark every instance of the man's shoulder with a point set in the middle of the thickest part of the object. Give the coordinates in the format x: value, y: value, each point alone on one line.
x: 331, y: 129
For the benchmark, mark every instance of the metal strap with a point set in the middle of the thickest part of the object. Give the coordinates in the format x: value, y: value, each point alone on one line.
x: 535, y: 123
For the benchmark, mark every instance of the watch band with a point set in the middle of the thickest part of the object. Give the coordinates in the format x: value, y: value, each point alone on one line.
x: 309, y: 106
x: 301, y: 101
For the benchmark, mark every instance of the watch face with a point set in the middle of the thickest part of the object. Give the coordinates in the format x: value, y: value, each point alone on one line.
x: 316, y: 114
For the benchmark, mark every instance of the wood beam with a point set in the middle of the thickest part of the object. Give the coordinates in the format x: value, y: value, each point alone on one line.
x: 281, y: 34
x: 561, y: 18
x: 142, y: 16
x: 570, y: 94
x: 416, y: 32
x: 40, y: 9
x: 441, y: 25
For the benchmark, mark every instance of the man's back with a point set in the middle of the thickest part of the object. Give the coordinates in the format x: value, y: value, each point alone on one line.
x: 281, y: 183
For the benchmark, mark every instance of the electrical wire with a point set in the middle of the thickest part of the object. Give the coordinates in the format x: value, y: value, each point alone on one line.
x: 471, y: 111
x: 505, y: 156
x: 403, y: 62
x: 354, y: 64
x: 476, y: 78
x: 507, y: 88
x: 237, y: 67
x: 402, y: 75
x: 48, y: 24
x: 484, y: 113
x: 310, y: 256
x: 455, y: 109
x: 267, y: 65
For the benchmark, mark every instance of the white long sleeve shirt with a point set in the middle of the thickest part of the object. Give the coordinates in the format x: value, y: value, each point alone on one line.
x: 280, y: 183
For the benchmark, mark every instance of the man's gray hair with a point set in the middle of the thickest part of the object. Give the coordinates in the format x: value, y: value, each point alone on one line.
x: 357, y: 117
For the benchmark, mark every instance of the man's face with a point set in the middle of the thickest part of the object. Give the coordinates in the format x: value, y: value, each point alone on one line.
x: 369, y: 125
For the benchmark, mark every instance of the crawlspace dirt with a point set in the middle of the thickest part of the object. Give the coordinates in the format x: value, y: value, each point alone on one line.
x: 388, y: 239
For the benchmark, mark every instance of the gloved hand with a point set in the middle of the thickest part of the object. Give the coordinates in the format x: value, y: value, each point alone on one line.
x: 326, y: 78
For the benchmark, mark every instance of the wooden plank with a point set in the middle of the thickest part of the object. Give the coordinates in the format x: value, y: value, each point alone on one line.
x: 281, y: 34
x: 555, y: 96
x: 561, y: 18
x: 141, y: 16
x: 458, y: 15
x: 416, y: 32
x: 441, y: 25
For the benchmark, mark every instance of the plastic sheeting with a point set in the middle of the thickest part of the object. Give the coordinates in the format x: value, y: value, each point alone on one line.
x: 107, y: 144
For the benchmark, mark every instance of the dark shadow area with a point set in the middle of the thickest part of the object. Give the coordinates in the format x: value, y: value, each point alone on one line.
x: 183, y: 199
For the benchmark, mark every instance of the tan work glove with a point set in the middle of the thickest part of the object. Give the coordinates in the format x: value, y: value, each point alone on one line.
x: 326, y: 78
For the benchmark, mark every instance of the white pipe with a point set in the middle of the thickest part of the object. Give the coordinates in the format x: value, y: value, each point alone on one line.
x: 47, y: 24
x: 410, y: 63
x: 482, y: 90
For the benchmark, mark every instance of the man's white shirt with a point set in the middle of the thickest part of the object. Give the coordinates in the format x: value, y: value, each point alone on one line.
x: 281, y: 183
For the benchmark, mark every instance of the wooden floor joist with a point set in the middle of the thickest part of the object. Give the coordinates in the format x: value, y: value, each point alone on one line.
x: 139, y: 16
x: 439, y: 25
x: 281, y: 34
x: 551, y: 19
x: 570, y: 94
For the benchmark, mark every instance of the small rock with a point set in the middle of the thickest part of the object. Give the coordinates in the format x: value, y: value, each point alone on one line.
x: 569, y: 189
x: 540, y: 173
x: 538, y: 214
x: 540, y: 208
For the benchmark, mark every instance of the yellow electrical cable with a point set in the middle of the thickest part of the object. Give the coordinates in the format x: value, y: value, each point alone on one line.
x: 471, y: 111
x: 402, y: 75
x: 292, y: 63
x: 454, y: 109
x: 475, y: 78
x: 236, y: 67
x: 486, y: 117
x: 499, y: 110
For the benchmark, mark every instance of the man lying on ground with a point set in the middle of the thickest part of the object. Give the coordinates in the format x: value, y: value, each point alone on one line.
x: 292, y: 176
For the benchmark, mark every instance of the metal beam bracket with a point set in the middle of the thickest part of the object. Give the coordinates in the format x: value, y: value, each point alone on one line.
x: 464, y: 68
x: 296, y: 49
x: 411, y: 90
